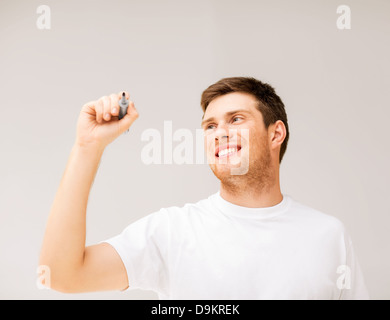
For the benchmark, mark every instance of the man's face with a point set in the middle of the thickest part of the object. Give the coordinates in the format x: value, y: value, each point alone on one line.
x: 236, y: 139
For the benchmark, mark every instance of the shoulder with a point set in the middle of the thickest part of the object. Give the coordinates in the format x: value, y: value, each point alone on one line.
x: 315, y: 218
x: 187, y: 216
x: 173, y: 215
x: 187, y: 210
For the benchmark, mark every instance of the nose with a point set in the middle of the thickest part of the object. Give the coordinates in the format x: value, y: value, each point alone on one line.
x: 222, y: 132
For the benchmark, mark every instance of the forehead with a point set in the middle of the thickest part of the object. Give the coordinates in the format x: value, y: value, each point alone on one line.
x: 230, y: 102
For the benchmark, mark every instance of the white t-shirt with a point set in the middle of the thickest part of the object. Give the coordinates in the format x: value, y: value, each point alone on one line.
x: 214, y: 249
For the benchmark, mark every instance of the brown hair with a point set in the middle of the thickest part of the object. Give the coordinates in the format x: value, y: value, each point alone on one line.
x: 270, y: 105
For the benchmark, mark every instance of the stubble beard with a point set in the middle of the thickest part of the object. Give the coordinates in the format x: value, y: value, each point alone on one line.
x: 258, y: 178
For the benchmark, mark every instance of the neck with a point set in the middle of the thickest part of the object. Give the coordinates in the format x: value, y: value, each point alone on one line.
x: 253, y: 194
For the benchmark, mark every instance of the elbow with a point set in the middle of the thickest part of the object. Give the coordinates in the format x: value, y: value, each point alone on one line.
x: 64, y: 288
x: 56, y: 279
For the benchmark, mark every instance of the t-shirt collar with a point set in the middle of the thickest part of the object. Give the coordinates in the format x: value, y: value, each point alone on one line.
x: 229, y: 208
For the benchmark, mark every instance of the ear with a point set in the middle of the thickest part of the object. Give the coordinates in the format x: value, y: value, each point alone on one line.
x: 277, y: 133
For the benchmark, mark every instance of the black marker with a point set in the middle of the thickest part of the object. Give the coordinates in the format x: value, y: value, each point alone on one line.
x: 123, y: 105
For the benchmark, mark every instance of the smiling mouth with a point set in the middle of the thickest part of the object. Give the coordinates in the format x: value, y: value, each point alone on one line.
x: 227, y: 152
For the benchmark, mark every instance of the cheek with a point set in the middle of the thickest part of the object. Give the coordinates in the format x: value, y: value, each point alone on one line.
x: 244, y: 137
x: 256, y: 142
x: 209, y: 142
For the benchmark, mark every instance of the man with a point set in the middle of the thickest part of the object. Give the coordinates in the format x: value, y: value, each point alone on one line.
x: 247, y: 241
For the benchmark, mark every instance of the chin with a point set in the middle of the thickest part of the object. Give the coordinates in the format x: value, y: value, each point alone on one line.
x: 227, y: 171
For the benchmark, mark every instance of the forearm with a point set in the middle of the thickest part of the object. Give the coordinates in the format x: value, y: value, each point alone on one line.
x: 64, y: 241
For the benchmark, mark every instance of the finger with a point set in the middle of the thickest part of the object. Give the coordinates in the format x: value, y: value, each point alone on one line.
x: 89, y: 108
x: 106, y: 108
x: 98, y: 105
x: 131, y: 110
x: 114, y: 104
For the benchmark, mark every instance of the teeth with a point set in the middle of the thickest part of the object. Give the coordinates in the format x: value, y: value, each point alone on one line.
x: 226, y: 151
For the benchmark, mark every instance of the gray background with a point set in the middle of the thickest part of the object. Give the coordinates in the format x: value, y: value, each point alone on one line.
x: 334, y: 83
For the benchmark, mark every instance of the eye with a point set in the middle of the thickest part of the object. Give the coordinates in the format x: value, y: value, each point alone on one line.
x: 210, y: 126
x: 235, y: 119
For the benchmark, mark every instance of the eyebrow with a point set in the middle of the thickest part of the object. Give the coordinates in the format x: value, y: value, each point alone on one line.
x: 227, y: 114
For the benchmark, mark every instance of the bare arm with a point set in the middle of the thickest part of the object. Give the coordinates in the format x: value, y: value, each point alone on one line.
x: 73, y: 267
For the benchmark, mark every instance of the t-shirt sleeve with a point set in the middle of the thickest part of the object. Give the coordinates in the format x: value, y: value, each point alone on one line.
x: 143, y: 248
x: 353, y: 284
